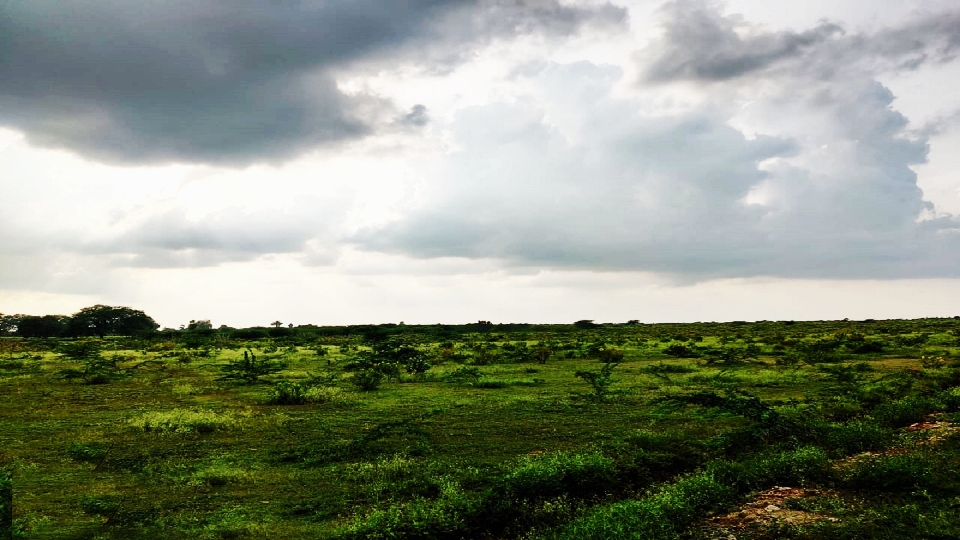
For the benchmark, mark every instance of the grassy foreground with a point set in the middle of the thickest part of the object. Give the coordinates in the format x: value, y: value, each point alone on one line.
x: 617, y: 431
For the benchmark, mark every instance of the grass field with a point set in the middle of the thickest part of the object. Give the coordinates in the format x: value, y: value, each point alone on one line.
x: 617, y: 431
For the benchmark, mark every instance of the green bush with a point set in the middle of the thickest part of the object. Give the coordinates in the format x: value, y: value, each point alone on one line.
x: 903, y: 412
x: 249, y: 369
x: 552, y: 475
x: 891, y: 473
x: 660, y: 516
x: 795, y: 467
x: 288, y: 393
x: 87, y: 452
x: 100, y: 505
x: 184, y: 421
x: 600, y: 381
x: 367, y: 380
x: 853, y: 438
x: 464, y: 375
x: 661, y: 368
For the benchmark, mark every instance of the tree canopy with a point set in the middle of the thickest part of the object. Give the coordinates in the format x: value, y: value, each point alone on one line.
x: 101, y: 320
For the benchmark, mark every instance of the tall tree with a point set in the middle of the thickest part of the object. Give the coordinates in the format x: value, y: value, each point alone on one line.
x: 101, y: 320
x: 42, y: 327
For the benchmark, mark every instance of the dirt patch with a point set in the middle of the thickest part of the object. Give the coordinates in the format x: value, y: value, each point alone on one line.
x: 932, y: 422
x: 765, y: 509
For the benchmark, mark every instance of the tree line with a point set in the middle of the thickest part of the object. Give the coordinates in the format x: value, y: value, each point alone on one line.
x: 99, y: 320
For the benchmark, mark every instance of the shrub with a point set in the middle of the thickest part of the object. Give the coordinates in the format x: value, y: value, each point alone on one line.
x: 87, y: 452
x: 97, y: 368
x: 464, y: 375
x: 367, y: 379
x: 600, y: 381
x: 184, y: 421
x: 891, y: 473
x: 854, y: 437
x: 661, y: 368
x: 100, y: 505
x: 680, y: 350
x: 249, y: 369
x: 575, y: 475
x: 660, y: 516
x: 794, y: 467
x: 903, y: 412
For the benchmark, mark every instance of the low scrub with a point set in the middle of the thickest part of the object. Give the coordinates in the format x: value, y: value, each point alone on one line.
x: 184, y: 421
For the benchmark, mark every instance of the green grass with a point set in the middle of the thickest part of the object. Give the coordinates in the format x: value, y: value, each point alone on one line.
x: 516, y: 450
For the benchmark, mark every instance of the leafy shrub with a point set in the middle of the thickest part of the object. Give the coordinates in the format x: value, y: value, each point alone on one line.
x: 661, y: 368
x: 903, y: 412
x: 645, y: 456
x: 575, y: 475
x: 660, y: 516
x: 891, y: 473
x: 855, y: 437
x: 680, y: 350
x: 464, y: 375
x: 367, y: 380
x: 295, y: 393
x: 288, y: 393
x: 97, y: 368
x: 794, y: 467
x: 218, y: 474
x: 184, y: 421
x: 600, y: 381
x: 249, y: 369
x: 327, y: 394
x: 610, y: 355
x: 100, y: 505
x: 87, y: 452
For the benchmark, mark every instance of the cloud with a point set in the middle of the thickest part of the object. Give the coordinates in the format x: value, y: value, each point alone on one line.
x: 699, y: 43
x: 793, y: 177
x: 417, y: 117
x: 227, y: 82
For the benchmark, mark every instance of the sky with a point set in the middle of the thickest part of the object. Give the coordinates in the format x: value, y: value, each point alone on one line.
x: 448, y: 161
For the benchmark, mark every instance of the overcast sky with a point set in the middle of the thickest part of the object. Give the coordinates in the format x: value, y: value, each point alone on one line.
x: 370, y: 161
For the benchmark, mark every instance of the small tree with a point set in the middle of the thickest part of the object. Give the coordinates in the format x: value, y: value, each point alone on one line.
x: 249, y: 369
x: 600, y: 381
x: 97, y: 368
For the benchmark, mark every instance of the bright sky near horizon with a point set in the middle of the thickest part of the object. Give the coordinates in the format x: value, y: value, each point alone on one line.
x: 361, y: 161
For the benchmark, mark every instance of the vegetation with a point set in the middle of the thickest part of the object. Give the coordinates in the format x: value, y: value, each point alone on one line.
x: 115, y: 430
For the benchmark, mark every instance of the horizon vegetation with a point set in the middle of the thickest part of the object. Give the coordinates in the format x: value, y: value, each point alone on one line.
x: 113, y: 429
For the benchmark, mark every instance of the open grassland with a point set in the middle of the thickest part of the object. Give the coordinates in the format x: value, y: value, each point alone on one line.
x: 760, y: 430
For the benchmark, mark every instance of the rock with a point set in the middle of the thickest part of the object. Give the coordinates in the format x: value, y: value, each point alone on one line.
x: 772, y: 508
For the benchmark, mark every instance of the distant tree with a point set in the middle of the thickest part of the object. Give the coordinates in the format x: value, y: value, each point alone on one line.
x: 101, y: 320
x: 8, y: 323
x: 585, y: 324
x: 41, y: 326
x: 276, y: 324
x: 200, y: 325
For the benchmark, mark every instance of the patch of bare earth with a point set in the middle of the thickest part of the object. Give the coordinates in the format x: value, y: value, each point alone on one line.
x: 764, y: 509
x: 930, y: 431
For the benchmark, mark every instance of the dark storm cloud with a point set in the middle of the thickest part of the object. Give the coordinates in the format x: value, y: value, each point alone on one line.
x: 417, y: 116
x: 701, y: 44
x: 226, y: 82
